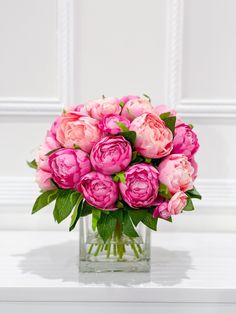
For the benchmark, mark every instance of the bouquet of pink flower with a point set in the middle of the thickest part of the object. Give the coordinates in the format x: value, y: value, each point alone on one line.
x: 122, y: 160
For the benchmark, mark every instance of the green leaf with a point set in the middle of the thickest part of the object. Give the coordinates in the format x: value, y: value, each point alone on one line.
x: 194, y: 193
x: 32, y: 164
x: 164, y: 115
x: 129, y: 136
x: 128, y: 227
x: 190, y: 125
x: 44, y: 199
x: 119, y: 176
x: 119, y: 204
x: 150, y: 222
x: 137, y: 215
x: 134, y: 155
x: 86, y: 209
x: 170, y: 123
x: 144, y: 216
x: 96, y: 214
x: 146, y: 96
x: 52, y: 151
x: 106, y: 226
x: 122, y: 126
x: 76, y: 213
x: 65, y: 202
x: 189, y: 206
x: 148, y: 160
x: 164, y: 191
x: 122, y: 104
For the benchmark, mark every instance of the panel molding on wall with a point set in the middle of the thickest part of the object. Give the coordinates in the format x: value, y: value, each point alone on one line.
x: 28, y: 106
x: 19, y: 193
x: 192, y: 108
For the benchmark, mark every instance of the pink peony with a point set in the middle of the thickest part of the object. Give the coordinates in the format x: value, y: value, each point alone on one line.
x: 176, y: 173
x: 125, y: 99
x: 54, y: 126
x: 43, y: 178
x: 195, y: 167
x: 68, y: 166
x: 99, y: 190
x: 154, y: 139
x: 136, y: 107
x: 80, y: 109
x: 109, y: 123
x: 50, y: 143
x: 163, y: 108
x: 162, y: 211
x: 99, y: 108
x: 78, y: 130
x: 141, y: 185
x: 185, y: 141
x: 177, y: 203
x: 111, y: 154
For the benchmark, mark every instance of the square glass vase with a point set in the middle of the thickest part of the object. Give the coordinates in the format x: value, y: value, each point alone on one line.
x: 118, y: 254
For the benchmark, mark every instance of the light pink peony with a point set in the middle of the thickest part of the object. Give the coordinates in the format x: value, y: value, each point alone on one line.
x: 68, y: 166
x: 195, y: 167
x: 109, y: 123
x: 136, y: 107
x: 50, y: 143
x: 111, y: 154
x: 125, y: 99
x: 54, y: 126
x: 78, y: 130
x: 80, y: 109
x: 43, y: 178
x: 99, y: 190
x: 141, y: 185
x: 99, y: 108
x: 154, y: 139
x: 176, y: 173
x: 163, y: 108
x: 162, y: 211
x: 177, y: 203
x: 185, y: 141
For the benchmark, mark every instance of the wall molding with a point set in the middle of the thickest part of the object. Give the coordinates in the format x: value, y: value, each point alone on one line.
x: 39, y: 106
x: 18, y: 191
x: 186, y: 107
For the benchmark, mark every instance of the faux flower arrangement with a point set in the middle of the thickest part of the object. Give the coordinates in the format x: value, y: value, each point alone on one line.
x: 124, y: 161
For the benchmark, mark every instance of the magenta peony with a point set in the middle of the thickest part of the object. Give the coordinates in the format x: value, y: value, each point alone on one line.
x: 176, y: 173
x: 76, y: 130
x: 68, y: 166
x: 99, y: 190
x: 141, y: 185
x: 99, y: 108
x: 111, y: 154
x: 135, y: 107
x: 109, y: 123
x: 177, y: 203
x: 162, y: 210
x: 185, y: 141
x: 154, y: 139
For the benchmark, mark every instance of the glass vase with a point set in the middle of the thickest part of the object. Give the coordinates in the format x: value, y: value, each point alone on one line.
x: 118, y: 254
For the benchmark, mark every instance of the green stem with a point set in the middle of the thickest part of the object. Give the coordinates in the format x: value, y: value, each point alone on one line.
x: 134, y: 249
x: 108, y: 250
x: 90, y: 248
x: 139, y: 249
x: 97, y: 250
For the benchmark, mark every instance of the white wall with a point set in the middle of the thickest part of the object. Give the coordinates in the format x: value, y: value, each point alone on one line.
x: 180, y: 52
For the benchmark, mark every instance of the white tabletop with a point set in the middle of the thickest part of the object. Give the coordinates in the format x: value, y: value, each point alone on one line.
x: 186, y: 267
